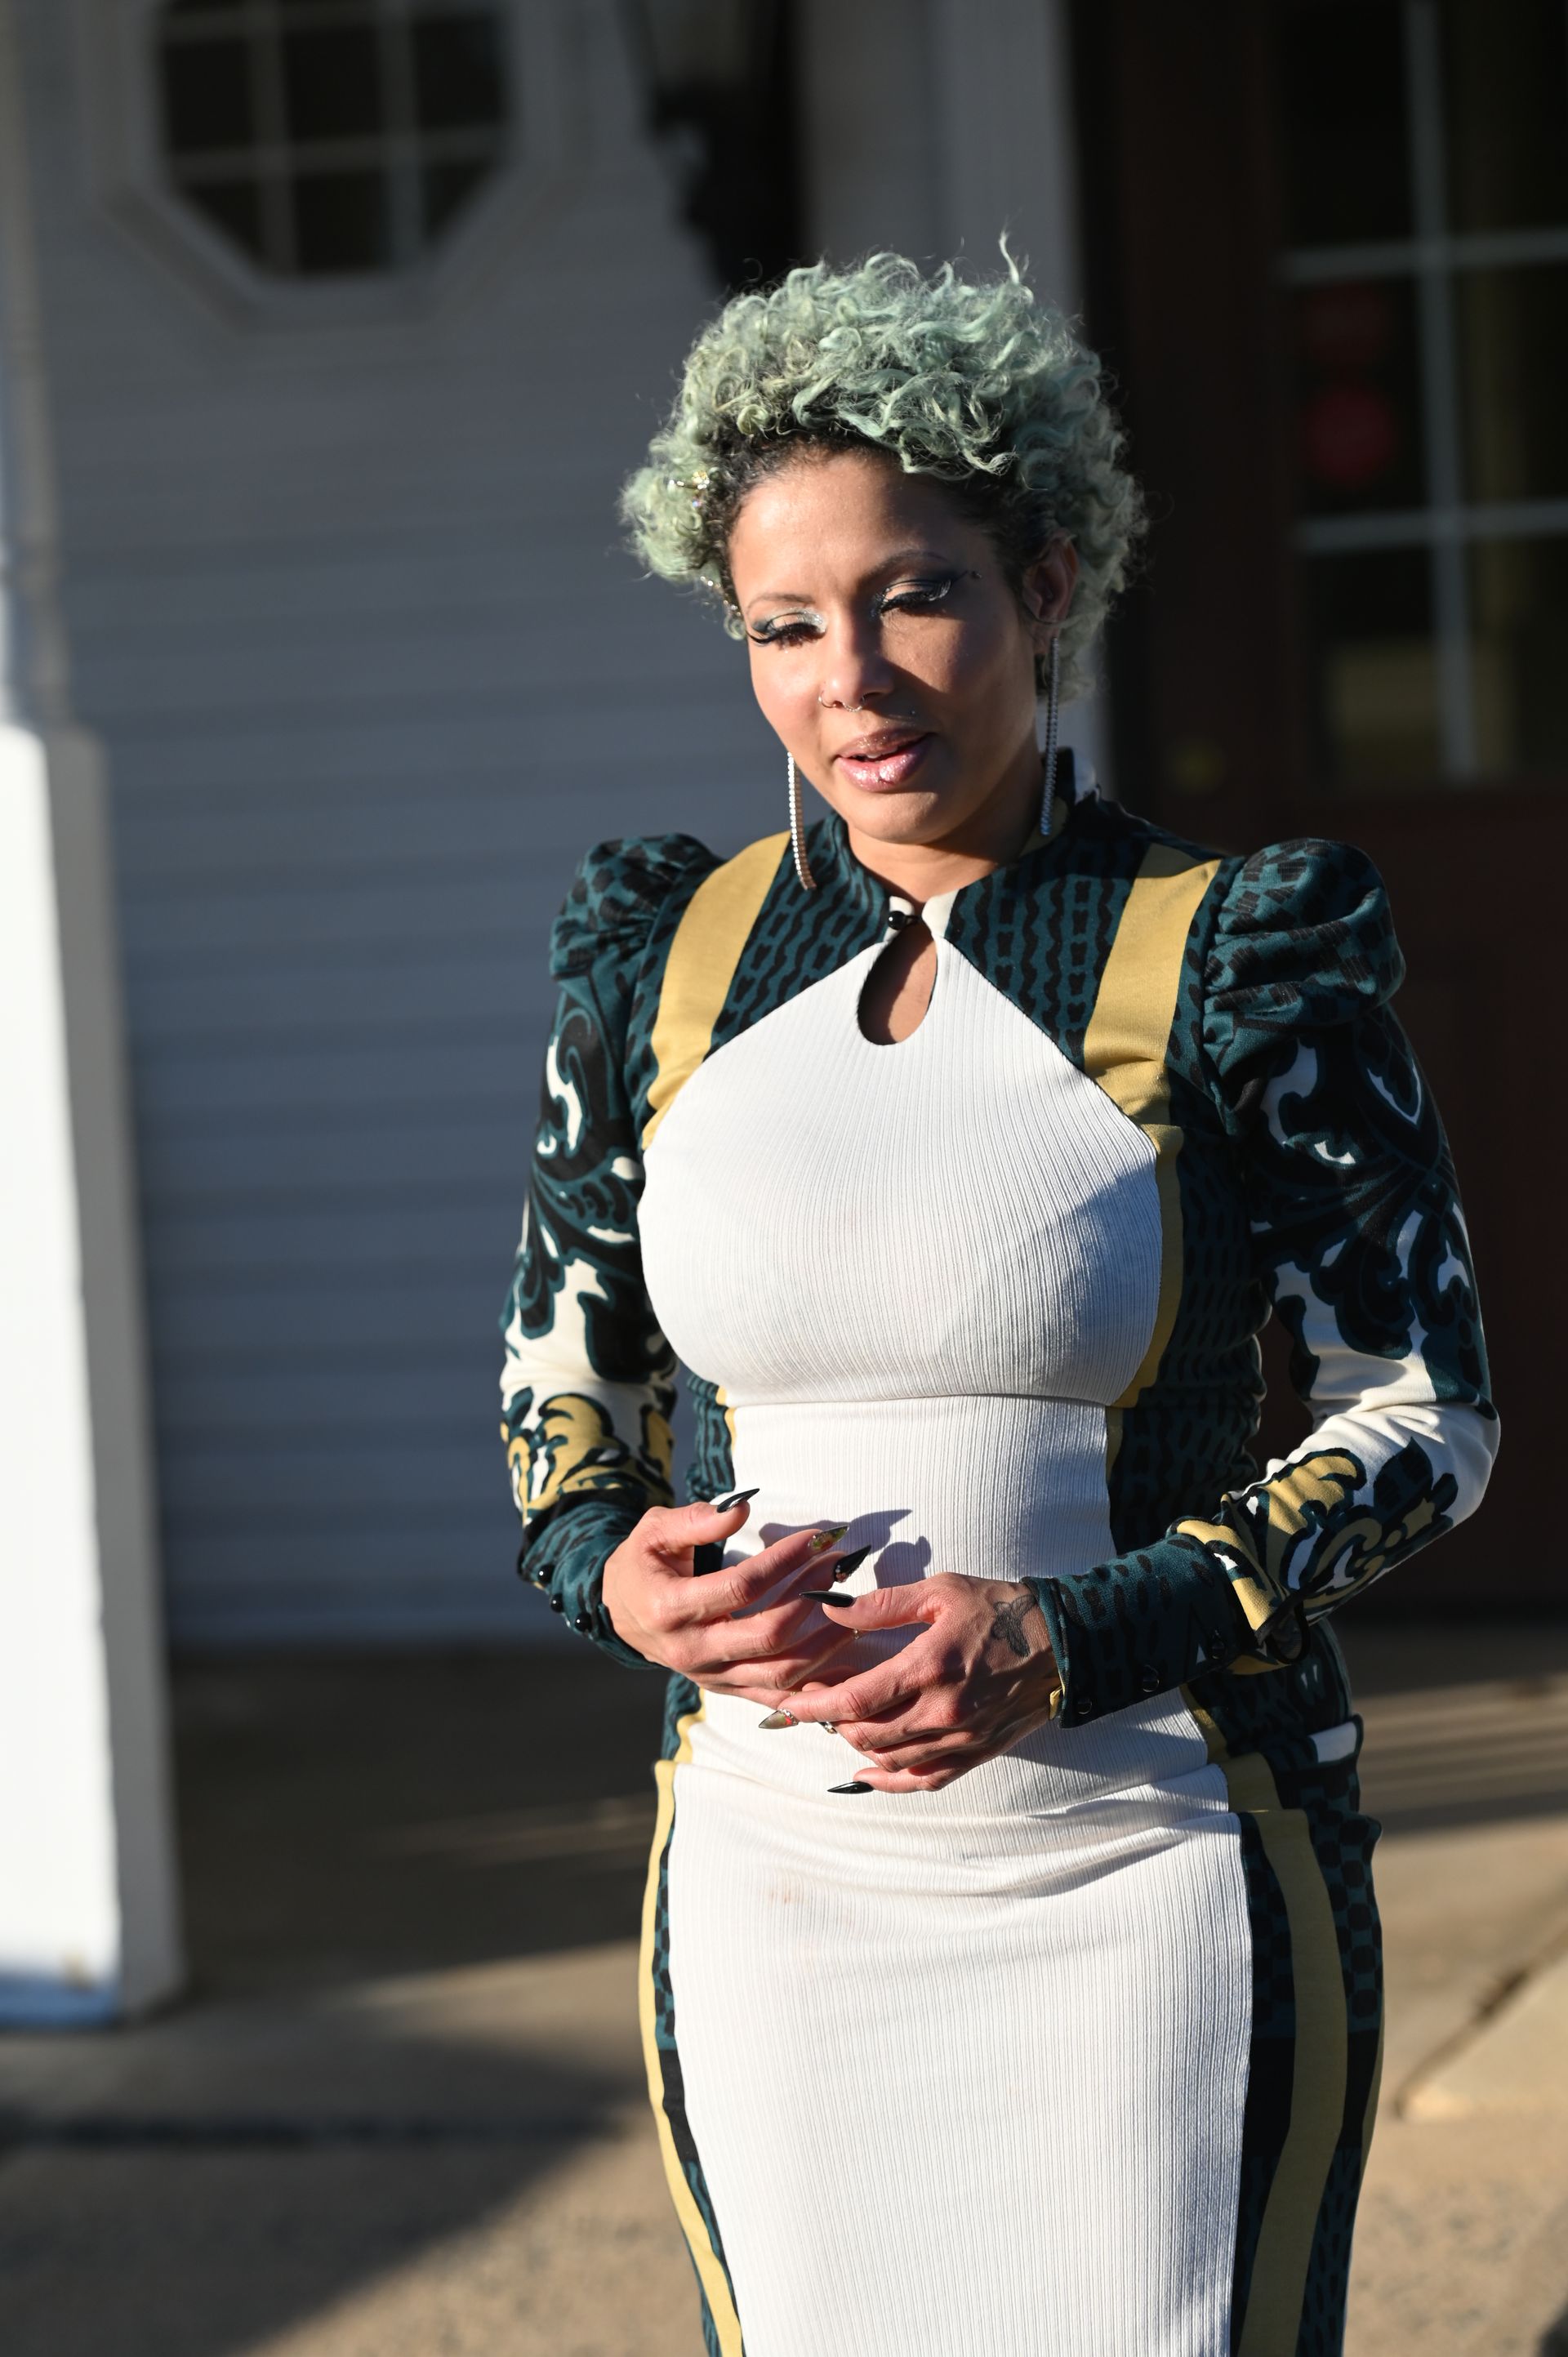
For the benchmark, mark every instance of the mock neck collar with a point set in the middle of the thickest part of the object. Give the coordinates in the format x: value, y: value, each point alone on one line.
x: 850, y: 884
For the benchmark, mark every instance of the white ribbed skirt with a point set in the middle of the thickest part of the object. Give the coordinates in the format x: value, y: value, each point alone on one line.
x: 965, y: 2072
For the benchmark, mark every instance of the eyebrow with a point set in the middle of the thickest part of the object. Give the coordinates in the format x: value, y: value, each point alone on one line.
x: 802, y: 598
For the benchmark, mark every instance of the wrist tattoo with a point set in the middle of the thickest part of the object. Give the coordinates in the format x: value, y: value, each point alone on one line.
x: 1008, y: 1624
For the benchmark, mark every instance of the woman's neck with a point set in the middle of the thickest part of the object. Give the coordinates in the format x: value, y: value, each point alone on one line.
x: 991, y: 836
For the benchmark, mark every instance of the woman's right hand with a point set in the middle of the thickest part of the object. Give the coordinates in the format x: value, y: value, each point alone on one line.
x: 715, y: 1627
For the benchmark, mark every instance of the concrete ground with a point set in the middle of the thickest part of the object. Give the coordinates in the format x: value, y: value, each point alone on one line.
x: 401, y: 2112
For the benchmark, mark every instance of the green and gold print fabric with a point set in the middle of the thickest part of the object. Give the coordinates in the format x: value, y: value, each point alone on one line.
x: 1358, y: 1233
x: 1305, y: 1105
x: 1303, y: 1168
x: 588, y: 1384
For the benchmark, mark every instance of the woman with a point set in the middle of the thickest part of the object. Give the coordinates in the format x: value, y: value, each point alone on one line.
x: 1011, y: 1967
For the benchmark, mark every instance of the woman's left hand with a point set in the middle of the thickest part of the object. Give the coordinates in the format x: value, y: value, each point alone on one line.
x: 981, y: 1677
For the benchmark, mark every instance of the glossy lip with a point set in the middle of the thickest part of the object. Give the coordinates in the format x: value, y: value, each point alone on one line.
x: 878, y: 746
x: 884, y: 771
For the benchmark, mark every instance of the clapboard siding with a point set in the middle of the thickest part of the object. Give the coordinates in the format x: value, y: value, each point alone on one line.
x: 347, y: 609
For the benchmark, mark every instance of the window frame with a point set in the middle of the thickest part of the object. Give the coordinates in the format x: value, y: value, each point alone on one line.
x: 1446, y: 524
x: 275, y: 163
x: 548, y: 153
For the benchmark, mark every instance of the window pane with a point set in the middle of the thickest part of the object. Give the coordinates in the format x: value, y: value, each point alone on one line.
x: 1519, y: 606
x: 235, y: 208
x: 1374, y: 668
x: 457, y: 72
x: 447, y: 191
x: 1359, y: 442
x: 1506, y: 70
x: 206, y: 96
x: 340, y: 222
x: 1342, y: 91
x: 332, y: 84
x: 1514, y: 368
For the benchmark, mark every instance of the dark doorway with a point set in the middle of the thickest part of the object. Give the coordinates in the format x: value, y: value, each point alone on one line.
x: 1330, y: 264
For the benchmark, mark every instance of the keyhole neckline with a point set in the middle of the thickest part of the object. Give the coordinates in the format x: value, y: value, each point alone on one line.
x: 883, y: 950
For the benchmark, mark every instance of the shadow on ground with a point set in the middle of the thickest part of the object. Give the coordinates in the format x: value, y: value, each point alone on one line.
x: 349, y: 1815
x: 1466, y: 1725
x: 247, y: 2167
x: 411, y: 2012
x: 401, y: 2114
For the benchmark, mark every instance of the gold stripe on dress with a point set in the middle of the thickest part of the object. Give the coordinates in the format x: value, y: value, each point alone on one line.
x: 1321, y: 2059
x: 704, y: 2258
x: 701, y: 968
x: 1127, y: 1041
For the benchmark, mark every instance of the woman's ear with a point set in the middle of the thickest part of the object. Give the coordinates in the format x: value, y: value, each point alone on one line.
x: 1048, y: 584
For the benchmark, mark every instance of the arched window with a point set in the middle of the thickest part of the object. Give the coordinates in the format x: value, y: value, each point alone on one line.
x: 332, y: 137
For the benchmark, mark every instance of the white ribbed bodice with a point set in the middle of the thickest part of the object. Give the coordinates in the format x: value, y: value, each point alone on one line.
x: 959, y: 1215
x: 921, y: 1271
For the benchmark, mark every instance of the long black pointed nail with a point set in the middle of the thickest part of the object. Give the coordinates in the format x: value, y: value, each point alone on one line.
x: 736, y: 1497
x: 826, y: 1596
x: 852, y: 1788
x: 851, y: 1562
x: 827, y: 1537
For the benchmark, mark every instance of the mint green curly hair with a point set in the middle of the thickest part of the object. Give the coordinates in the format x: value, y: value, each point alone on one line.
x: 976, y: 384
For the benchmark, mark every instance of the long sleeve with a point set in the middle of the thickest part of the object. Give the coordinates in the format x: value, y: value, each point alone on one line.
x: 1359, y: 1246
x: 587, y: 1386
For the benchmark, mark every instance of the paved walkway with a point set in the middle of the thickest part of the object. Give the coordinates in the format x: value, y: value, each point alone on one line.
x: 403, y: 2115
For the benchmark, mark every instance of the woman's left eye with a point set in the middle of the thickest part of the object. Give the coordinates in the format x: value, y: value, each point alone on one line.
x: 914, y: 596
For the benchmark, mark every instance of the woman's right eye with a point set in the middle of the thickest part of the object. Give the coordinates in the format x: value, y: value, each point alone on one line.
x: 784, y: 634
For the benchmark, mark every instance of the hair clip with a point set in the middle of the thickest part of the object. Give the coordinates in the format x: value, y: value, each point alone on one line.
x: 695, y: 485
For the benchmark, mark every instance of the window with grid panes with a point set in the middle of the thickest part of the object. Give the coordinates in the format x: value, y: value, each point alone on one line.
x: 332, y: 137
x: 1426, y: 163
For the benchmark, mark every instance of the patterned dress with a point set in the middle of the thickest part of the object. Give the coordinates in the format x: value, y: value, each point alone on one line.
x: 1078, y: 2056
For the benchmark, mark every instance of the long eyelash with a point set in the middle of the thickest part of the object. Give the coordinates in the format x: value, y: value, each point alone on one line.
x: 917, y: 594
x: 783, y: 635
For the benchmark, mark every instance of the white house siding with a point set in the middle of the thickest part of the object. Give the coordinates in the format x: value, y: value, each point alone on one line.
x: 348, y: 611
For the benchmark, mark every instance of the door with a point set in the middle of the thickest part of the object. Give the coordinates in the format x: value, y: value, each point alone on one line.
x: 1329, y: 249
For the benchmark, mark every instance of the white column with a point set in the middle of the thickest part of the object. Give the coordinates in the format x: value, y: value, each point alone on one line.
x: 88, y: 1912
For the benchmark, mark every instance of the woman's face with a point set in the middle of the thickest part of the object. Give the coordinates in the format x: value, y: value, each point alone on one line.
x: 891, y: 654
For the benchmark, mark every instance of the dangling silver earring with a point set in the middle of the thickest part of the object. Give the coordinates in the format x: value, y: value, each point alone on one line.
x: 798, y: 832
x: 1049, y: 759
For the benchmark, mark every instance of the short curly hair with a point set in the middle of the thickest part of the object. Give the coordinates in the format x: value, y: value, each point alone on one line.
x: 976, y: 384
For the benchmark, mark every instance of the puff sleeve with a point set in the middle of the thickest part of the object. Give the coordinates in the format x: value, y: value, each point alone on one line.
x: 1358, y: 1241
x: 588, y: 1384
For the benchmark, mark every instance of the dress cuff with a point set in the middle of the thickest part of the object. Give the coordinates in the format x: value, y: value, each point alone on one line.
x: 564, y: 1553
x: 1140, y: 1625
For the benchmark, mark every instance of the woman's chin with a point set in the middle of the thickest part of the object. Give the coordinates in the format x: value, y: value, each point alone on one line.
x: 896, y: 817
